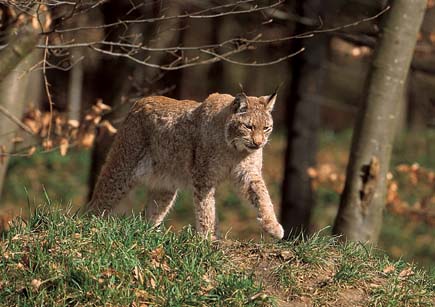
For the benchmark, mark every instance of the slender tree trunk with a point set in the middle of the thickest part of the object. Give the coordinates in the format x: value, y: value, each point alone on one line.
x: 360, y: 214
x: 21, y: 43
x: 14, y: 94
x: 303, y: 119
x: 15, y: 61
x: 112, y: 84
x: 75, y: 87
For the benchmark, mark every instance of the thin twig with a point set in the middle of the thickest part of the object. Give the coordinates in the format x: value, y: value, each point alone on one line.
x: 256, y: 40
x: 195, y: 15
x: 47, y: 90
x: 15, y: 120
x: 168, y: 67
x: 226, y: 59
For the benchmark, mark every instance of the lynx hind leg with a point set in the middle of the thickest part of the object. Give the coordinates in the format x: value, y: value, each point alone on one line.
x: 159, y: 204
x: 118, y: 175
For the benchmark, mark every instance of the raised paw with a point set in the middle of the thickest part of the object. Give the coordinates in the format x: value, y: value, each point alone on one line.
x: 273, y: 228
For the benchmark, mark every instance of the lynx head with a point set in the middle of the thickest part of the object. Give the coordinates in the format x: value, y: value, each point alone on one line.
x: 250, y: 123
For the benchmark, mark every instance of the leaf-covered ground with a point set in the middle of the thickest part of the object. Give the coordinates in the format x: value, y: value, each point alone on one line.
x: 57, y: 260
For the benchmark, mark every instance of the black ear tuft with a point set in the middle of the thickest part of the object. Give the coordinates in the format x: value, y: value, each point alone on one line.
x: 240, y: 103
x: 271, y: 101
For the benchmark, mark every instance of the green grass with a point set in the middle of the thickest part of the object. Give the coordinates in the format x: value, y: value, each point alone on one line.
x: 55, y: 259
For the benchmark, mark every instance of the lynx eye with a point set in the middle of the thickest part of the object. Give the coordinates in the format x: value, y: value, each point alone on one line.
x: 250, y: 127
x: 267, y: 128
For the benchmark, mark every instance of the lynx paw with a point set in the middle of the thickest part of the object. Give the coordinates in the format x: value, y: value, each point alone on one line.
x: 273, y: 228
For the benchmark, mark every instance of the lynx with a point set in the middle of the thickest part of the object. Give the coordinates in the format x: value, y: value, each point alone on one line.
x: 170, y: 144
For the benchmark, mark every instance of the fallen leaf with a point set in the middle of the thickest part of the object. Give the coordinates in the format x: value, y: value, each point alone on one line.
x: 286, y: 255
x: 88, y: 140
x: 33, y: 125
x: 138, y: 274
x: 406, y: 273
x: 96, y: 120
x: 47, y: 144
x: 108, y: 126
x: 389, y: 269
x: 312, y: 173
x: 73, y: 123
x: 63, y: 147
x: 158, y: 253
x: 35, y: 283
x: 152, y: 283
x: 31, y: 151
x: 102, y: 106
x: 142, y: 294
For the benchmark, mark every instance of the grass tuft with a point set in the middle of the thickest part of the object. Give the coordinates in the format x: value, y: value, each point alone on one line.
x: 56, y: 259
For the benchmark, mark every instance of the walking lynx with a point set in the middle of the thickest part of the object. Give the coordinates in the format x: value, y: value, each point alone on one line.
x: 169, y: 144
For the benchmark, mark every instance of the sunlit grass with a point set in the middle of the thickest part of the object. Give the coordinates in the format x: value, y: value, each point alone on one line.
x: 56, y: 259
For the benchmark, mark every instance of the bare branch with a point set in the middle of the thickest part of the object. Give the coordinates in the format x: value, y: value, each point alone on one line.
x: 171, y: 66
x: 226, y: 59
x: 256, y: 40
x: 47, y: 90
x: 15, y: 120
x: 194, y: 15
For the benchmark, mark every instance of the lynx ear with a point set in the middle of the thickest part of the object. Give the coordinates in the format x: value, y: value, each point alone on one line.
x: 240, y: 103
x: 270, y: 101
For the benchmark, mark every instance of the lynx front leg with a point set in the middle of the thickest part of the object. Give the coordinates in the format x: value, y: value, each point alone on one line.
x: 159, y: 204
x: 205, y: 210
x: 253, y: 187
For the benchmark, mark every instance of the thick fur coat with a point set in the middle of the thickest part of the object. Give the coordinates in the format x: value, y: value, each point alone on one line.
x: 169, y: 144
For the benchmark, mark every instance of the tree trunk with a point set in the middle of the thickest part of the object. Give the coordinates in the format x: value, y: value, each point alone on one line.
x: 21, y: 43
x: 112, y: 84
x: 303, y: 119
x: 360, y: 214
x: 15, y: 61
x: 14, y: 94
x: 75, y: 87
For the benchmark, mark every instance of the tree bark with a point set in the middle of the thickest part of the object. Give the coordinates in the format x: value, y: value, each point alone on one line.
x: 303, y: 120
x: 14, y: 94
x: 15, y: 61
x: 360, y: 213
x: 21, y: 43
x: 75, y: 87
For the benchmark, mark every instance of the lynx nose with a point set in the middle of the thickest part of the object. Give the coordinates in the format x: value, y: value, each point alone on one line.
x: 257, y: 141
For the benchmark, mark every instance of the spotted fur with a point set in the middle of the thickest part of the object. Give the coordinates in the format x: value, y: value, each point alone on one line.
x: 170, y: 144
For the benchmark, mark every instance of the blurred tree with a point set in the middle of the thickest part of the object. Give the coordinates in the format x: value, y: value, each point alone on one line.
x: 303, y: 119
x: 362, y: 202
x: 16, y: 59
x: 422, y: 76
x: 113, y: 91
x: 132, y: 80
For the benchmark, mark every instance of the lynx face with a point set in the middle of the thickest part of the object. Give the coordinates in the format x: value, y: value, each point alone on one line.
x: 251, y: 124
